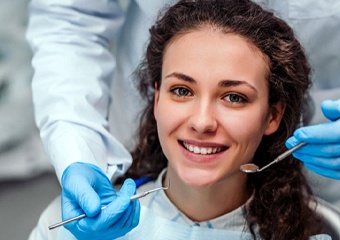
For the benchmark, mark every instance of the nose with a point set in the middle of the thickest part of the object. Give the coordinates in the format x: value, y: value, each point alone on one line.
x: 203, y: 118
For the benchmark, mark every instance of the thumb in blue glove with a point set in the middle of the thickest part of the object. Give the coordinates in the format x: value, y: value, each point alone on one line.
x: 322, y: 153
x: 87, y: 189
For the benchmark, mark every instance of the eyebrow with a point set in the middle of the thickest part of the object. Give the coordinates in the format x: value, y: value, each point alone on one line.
x: 231, y: 83
x: 181, y: 76
x: 223, y: 83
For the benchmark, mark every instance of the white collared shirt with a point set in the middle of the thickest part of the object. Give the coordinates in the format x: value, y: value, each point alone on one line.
x: 161, y: 205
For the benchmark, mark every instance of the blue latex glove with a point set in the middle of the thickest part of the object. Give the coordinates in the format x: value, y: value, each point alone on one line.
x: 322, y: 153
x: 85, y: 188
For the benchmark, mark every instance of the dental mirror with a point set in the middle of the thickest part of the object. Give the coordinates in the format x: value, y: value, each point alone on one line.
x: 252, y: 168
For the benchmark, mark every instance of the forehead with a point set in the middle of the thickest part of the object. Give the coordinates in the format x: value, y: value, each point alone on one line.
x: 210, y: 50
x: 209, y: 29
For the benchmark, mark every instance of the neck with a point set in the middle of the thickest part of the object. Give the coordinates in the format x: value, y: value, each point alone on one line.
x: 208, y: 202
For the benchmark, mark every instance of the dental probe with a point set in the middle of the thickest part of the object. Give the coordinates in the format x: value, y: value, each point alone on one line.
x: 134, y: 197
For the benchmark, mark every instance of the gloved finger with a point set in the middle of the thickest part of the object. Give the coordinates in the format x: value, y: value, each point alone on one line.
x: 326, y: 172
x: 89, y: 186
x: 331, y: 163
x: 125, y: 219
x: 82, y: 193
x: 133, y: 221
x: 136, y: 217
x: 322, y: 133
x: 331, y: 109
x: 70, y: 208
x: 100, y: 183
x: 130, y: 219
x: 326, y: 150
x: 107, y: 217
x: 129, y: 189
x: 113, y: 212
x: 291, y: 142
x: 123, y: 225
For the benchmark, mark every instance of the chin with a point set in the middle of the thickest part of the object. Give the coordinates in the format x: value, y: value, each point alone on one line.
x: 199, y: 178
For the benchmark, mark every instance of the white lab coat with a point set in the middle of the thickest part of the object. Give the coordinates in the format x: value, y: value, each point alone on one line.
x: 76, y: 74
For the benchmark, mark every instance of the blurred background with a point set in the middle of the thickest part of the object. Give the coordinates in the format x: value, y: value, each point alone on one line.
x: 27, y: 180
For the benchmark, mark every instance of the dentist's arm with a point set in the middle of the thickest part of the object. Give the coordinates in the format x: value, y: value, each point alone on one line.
x: 73, y: 67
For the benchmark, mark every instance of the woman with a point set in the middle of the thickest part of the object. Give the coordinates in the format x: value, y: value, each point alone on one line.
x: 224, y: 82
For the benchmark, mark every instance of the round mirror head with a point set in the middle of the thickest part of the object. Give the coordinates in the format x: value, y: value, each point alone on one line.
x: 249, y: 168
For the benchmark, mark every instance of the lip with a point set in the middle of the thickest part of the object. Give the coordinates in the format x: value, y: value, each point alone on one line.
x: 202, y: 158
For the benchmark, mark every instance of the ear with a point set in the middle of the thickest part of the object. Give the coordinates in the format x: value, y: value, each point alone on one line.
x: 274, y: 118
x: 156, y: 98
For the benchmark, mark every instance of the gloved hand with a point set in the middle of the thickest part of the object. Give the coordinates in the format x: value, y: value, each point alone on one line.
x: 322, y: 153
x: 85, y: 188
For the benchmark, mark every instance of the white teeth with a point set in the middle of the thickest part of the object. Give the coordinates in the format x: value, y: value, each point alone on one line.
x: 203, y: 150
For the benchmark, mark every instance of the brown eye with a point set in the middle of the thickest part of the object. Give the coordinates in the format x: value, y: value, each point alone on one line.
x: 181, y: 91
x: 235, y: 98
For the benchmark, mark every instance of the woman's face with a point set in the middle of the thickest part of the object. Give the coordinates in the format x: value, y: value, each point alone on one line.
x: 212, y: 106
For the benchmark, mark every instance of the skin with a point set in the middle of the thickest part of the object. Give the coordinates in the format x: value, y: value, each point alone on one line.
x: 213, y: 97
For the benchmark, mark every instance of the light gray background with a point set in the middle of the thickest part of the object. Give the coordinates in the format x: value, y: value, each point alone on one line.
x: 22, y: 201
x: 27, y: 181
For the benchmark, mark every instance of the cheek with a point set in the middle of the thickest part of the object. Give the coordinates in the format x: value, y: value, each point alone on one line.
x: 167, y: 124
x: 247, y: 127
x: 162, y: 125
x: 166, y: 117
x: 246, y: 135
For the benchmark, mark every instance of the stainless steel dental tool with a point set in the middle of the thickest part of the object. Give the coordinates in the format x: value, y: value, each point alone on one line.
x: 134, y: 197
x: 252, y: 168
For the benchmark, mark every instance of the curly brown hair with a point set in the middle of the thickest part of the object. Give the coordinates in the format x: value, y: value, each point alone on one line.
x: 279, y: 207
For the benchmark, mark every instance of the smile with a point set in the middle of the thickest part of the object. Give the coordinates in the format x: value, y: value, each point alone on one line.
x: 203, y: 150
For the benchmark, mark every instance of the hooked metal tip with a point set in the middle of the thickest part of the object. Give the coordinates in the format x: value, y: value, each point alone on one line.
x: 166, y: 188
x: 150, y: 191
